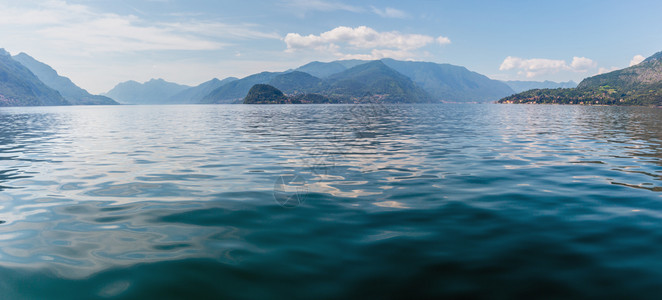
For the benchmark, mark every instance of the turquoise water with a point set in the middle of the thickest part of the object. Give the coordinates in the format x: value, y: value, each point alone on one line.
x: 340, y: 201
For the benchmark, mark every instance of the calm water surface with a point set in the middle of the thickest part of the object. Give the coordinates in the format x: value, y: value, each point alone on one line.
x: 341, y: 201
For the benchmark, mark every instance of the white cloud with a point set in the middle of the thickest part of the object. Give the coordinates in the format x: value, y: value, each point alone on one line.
x: 636, y: 60
x: 534, y: 67
x: 390, y: 12
x: 603, y: 70
x: 443, y: 40
x: 582, y: 64
x: 379, y: 54
x: 78, y: 29
x: 342, y: 39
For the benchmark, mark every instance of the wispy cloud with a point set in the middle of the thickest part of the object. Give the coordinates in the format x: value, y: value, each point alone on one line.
x: 77, y: 28
x: 390, y: 12
x: 442, y: 40
x: 341, y: 41
x: 534, y: 67
x: 302, y: 7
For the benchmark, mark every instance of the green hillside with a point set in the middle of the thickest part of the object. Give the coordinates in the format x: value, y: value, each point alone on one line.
x: 640, y: 84
x: 296, y: 82
x: 264, y: 94
x: 375, y: 79
x: 235, y: 91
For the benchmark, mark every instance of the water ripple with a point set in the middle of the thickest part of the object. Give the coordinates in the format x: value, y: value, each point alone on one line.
x: 423, y: 201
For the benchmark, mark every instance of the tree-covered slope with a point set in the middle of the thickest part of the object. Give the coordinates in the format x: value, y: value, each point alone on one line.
x: 636, y: 85
x: 326, y: 69
x: 235, y: 91
x: 520, y: 86
x: 449, y: 83
x: 444, y: 82
x: 375, y: 79
x: 264, y: 94
x: 296, y: 82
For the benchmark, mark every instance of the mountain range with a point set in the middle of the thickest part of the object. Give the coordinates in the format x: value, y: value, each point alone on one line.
x: 640, y: 84
x: 71, y: 92
x: 20, y: 87
x: 521, y: 86
x: 235, y: 91
x: 195, y: 94
x: 25, y: 81
x: 155, y: 91
x: 415, y: 81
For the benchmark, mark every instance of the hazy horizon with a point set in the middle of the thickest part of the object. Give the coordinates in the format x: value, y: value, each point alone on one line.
x: 101, y: 43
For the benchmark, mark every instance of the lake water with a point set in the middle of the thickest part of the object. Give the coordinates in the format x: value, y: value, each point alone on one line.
x: 330, y: 201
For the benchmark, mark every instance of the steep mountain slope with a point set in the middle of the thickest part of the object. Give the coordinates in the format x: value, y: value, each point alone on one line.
x: 71, y: 92
x: 647, y: 72
x: 264, y: 94
x: 20, y: 87
x: 235, y: 91
x: 521, y: 86
x: 197, y: 93
x: 155, y: 91
x: 326, y: 69
x: 296, y: 82
x: 376, y: 79
x: 636, y: 85
x: 322, y: 69
x: 428, y: 82
x: 451, y: 83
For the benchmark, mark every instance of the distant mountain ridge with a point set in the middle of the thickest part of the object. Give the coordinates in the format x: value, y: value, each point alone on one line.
x: 640, y: 84
x: 195, y: 94
x: 154, y: 91
x: 296, y: 82
x: 378, y: 79
x: 521, y: 86
x: 70, y: 91
x: 440, y: 82
x: 268, y: 94
x: 449, y: 83
x: 444, y: 82
x: 235, y: 91
x: 372, y: 79
x: 20, y: 87
x: 326, y: 69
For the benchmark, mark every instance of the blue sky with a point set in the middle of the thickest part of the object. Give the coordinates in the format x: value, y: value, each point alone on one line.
x: 100, y: 43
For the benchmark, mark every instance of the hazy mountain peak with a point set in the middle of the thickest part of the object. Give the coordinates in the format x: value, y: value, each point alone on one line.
x: 154, y: 91
x: 20, y: 87
x: 197, y: 93
x: 450, y: 83
x: 70, y: 91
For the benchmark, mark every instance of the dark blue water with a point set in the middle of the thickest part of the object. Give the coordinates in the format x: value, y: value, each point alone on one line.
x: 320, y: 202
